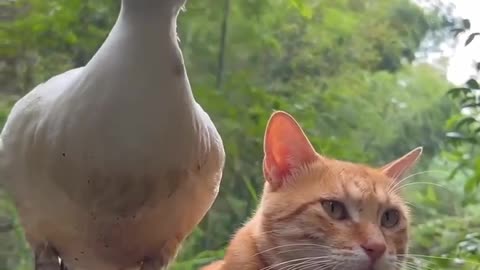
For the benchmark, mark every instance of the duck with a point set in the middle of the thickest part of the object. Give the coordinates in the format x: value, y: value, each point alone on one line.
x: 113, y: 165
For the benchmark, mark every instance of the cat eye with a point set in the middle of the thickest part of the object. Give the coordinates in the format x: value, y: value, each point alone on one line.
x: 390, y: 218
x: 335, y: 209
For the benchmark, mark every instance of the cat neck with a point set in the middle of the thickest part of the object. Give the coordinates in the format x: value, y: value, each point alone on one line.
x: 244, y: 252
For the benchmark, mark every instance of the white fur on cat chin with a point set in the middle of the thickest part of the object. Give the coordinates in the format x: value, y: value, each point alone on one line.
x: 113, y: 161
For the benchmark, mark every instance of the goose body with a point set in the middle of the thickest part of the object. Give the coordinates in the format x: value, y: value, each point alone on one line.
x: 113, y: 164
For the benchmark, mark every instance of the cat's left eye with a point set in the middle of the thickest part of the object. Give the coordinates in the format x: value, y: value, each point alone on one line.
x: 335, y: 209
x: 390, y: 218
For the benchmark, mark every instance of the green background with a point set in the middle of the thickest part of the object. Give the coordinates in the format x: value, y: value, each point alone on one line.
x: 348, y: 70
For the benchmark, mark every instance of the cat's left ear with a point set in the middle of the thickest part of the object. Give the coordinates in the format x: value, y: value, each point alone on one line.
x: 397, y: 168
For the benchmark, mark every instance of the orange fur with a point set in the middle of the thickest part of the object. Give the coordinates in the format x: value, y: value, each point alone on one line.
x: 291, y: 223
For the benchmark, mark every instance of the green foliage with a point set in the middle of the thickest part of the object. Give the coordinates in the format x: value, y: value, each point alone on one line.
x: 449, y: 227
x: 465, y: 124
x: 453, y: 242
x: 344, y: 68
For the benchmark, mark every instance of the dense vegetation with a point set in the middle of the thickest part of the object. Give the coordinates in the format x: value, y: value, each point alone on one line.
x: 347, y: 69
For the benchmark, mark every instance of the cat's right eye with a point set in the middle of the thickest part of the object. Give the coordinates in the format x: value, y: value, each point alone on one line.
x: 335, y: 209
x: 390, y: 218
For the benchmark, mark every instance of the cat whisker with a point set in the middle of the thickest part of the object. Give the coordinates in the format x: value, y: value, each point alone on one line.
x: 419, y: 173
x: 297, y: 265
x: 292, y: 245
x: 410, y: 263
x: 297, y: 249
x: 399, y: 182
x: 287, y: 262
x: 338, y: 264
x: 413, y: 265
x: 411, y: 260
x: 410, y: 204
x: 318, y: 265
x: 311, y: 262
x: 415, y: 261
x: 425, y: 257
x: 409, y: 267
x: 420, y: 183
x: 418, y: 265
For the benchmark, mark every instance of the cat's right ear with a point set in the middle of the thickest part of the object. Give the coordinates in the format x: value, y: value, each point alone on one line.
x: 286, y: 149
x: 397, y: 168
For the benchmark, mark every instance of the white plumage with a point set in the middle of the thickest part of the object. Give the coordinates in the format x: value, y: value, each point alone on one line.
x: 113, y: 164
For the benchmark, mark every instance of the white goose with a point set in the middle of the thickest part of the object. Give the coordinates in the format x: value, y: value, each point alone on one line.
x: 113, y: 164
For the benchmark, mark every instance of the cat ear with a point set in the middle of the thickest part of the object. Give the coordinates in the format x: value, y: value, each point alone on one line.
x: 397, y: 168
x: 286, y: 148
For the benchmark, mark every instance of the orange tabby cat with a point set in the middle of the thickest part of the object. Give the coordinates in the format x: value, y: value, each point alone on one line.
x: 320, y: 213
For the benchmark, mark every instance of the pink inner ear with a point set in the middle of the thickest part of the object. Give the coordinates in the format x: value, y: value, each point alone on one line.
x: 286, y: 148
x: 397, y: 168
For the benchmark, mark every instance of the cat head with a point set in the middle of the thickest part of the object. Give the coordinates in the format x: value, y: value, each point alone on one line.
x: 321, y: 213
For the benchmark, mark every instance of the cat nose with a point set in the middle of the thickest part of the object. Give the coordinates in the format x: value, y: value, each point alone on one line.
x: 374, y: 249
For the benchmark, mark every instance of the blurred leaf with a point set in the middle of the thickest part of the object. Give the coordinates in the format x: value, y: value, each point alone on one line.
x: 465, y: 121
x: 454, y: 92
x: 470, y: 38
x: 470, y: 105
x: 251, y: 189
x: 305, y: 10
x: 431, y: 195
x: 457, y: 31
x: 472, y: 184
x: 6, y: 224
x: 472, y: 83
x: 455, y: 135
x: 467, y: 100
